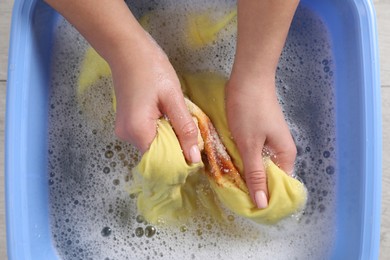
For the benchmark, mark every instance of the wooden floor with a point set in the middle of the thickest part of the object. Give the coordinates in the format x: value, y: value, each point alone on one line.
x: 383, y: 20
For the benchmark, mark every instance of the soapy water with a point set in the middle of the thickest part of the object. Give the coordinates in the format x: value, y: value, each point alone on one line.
x: 92, y: 214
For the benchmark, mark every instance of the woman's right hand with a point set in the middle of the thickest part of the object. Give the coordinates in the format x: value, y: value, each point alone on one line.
x: 257, y: 124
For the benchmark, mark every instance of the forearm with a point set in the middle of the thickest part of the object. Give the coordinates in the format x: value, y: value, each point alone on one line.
x: 146, y: 85
x: 262, y: 30
x: 108, y: 25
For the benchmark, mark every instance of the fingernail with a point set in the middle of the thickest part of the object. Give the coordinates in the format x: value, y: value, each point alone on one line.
x: 195, y: 154
x: 261, y: 199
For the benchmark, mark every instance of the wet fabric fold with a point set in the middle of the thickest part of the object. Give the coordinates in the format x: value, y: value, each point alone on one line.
x: 164, y: 174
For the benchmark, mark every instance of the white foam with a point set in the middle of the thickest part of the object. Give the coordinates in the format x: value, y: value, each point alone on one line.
x: 85, y: 197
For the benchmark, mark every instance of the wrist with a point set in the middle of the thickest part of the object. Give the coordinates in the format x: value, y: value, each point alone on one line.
x: 253, y: 80
x: 131, y: 50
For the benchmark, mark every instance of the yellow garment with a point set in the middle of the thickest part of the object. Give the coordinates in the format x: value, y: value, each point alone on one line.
x: 207, y: 91
x: 163, y: 179
x: 165, y: 184
x: 169, y: 190
x: 286, y: 194
x: 93, y: 68
x: 203, y: 30
x: 286, y: 197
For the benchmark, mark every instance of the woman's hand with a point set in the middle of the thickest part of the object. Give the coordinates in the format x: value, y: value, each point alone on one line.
x: 146, y: 85
x: 256, y: 122
x: 254, y: 115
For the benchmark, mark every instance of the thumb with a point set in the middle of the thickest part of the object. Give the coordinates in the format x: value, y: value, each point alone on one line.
x: 184, y: 127
x: 256, y: 178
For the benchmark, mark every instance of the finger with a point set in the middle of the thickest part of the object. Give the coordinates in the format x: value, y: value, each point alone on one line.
x: 285, y: 151
x: 184, y: 127
x: 255, y: 174
x: 138, y: 130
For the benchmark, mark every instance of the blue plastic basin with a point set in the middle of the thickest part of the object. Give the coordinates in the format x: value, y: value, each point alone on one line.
x: 352, y: 29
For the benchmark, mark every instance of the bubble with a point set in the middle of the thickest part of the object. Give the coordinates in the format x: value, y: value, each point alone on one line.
x: 139, y: 231
x: 113, y: 164
x: 140, y: 219
x: 106, y: 231
x: 150, y: 231
x: 106, y: 170
x: 230, y: 217
x: 116, y: 182
x: 121, y: 156
x: 109, y: 154
x: 183, y: 228
x: 326, y: 154
x: 330, y: 170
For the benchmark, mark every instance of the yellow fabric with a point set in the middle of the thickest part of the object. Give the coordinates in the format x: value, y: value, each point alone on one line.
x: 207, y: 91
x: 169, y: 190
x: 165, y: 159
x: 202, y: 29
x: 93, y: 68
x: 287, y: 195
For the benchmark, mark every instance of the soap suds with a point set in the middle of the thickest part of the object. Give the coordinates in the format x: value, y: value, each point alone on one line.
x: 92, y: 214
